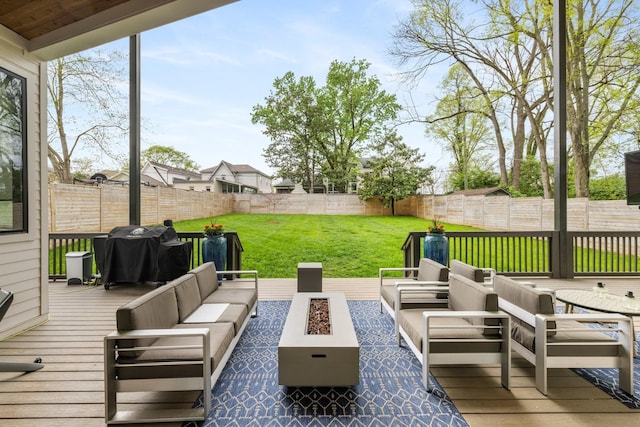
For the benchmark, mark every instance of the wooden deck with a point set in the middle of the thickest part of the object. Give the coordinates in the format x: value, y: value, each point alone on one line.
x: 68, y: 391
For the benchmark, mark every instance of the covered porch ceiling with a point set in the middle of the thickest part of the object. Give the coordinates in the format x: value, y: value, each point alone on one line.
x: 54, y: 28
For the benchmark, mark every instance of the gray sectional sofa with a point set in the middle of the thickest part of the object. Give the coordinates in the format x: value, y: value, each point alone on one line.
x: 177, y: 337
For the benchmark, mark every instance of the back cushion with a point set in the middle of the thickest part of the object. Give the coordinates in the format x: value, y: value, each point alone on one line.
x: 469, y: 271
x: 157, y: 309
x: 529, y: 299
x: 207, y: 279
x: 187, y: 294
x: 467, y: 295
x: 432, y: 271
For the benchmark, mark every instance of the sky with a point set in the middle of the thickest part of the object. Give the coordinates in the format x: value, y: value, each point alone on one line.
x: 201, y: 77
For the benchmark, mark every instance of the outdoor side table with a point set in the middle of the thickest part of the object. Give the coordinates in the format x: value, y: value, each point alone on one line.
x: 310, y: 277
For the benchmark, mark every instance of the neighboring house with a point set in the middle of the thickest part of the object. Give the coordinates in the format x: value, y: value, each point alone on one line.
x: 285, y: 186
x: 166, y: 176
x: 229, y: 178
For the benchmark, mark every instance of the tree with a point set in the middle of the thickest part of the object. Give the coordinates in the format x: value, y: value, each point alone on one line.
x: 395, y: 173
x: 292, y: 120
x: 168, y: 156
x: 321, y: 131
x: 475, y: 177
x: 85, y: 107
x: 509, y: 61
x: 356, y: 110
x: 459, y: 122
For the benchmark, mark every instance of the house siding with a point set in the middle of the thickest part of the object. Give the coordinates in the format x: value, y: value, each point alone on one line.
x: 22, y: 268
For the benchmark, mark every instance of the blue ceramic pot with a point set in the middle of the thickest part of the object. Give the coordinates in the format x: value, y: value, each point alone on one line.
x: 436, y: 247
x: 214, y: 248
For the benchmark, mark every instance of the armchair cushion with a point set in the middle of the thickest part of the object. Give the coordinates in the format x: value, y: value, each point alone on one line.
x: 529, y: 299
x: 432, y: 271
x: 469, y: 271
x: 467, y: 295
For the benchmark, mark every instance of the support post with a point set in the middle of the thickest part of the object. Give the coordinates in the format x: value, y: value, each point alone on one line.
x: 134, y: 130
x: 562, y: 260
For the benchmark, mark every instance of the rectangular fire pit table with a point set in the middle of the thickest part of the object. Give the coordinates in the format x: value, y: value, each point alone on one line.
x: 308, y: 360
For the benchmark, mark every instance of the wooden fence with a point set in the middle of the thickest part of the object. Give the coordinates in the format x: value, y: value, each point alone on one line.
x: 77, y: 208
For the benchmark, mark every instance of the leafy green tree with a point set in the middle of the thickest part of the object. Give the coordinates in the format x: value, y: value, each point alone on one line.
x: 168, y: 156
x: 530, y: 178
x: 85, y: 107
x: 293, y: 120
x: 322, y: 131
x: 611, y: 187
x: 474, y: 178
x: 395, y: 173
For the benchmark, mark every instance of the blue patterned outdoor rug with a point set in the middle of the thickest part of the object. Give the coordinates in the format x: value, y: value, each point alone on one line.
x: 390, y: 392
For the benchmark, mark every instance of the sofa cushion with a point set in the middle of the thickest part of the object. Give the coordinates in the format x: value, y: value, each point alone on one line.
x: 207, y: 278
x: 469, y: 271
x: 529, y: 299
x: 233, y: 295
x: 187, y: 294
x: 157, y: 309
x: 220, y: 334
x: 226, y: 313
x: 467, y: 295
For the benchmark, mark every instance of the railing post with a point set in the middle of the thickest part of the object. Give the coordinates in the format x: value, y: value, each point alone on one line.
x: 561, y: 256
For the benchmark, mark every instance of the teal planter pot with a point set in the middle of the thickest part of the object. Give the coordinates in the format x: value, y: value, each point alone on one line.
x: 214, y: 249
x: 436, y: 247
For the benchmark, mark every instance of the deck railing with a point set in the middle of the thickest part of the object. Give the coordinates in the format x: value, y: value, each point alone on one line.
x: 533, y: 253
x: 61, y: 243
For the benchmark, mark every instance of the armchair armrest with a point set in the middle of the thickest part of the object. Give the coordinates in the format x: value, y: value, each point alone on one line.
x: 421, y: 283
x: 383, y: 270
x: 410, y: 288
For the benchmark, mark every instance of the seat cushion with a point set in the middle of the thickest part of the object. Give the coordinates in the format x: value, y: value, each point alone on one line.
x: 233, y: 295
x: 412, y: 323
x: 232, y: 313
x: 221, y: 335
x: 567, y: 334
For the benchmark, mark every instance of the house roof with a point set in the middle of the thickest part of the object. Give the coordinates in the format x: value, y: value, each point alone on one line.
x: 52, y: 28
x: 241, y: 168
x: 176, y: 171
x: 491, y: 191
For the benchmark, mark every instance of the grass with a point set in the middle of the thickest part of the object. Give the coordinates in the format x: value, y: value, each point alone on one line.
x: 347, y: 245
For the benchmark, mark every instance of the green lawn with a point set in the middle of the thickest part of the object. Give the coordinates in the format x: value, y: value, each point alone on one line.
x: 347, y: 245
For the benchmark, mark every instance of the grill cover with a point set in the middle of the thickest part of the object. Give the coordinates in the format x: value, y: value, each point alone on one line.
x: 135, y: 254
